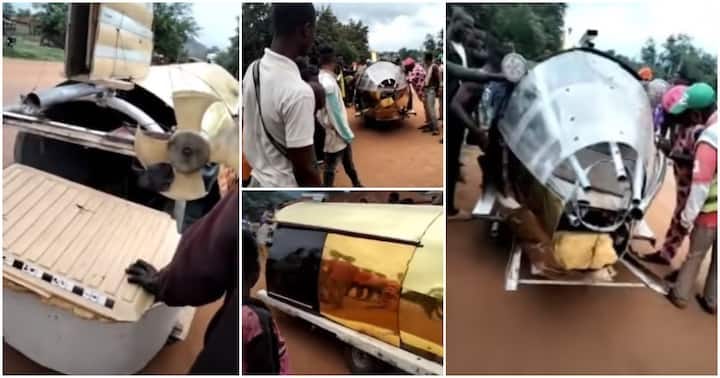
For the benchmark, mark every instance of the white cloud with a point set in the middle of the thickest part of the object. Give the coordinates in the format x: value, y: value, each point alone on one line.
x: 217, y: 22
x: 391, y: 28
x: 625, y: 26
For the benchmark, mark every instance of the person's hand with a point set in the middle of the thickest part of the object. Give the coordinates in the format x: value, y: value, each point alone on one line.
x: 665, y: 146
x: 143, y: 274
x: 157, y: 177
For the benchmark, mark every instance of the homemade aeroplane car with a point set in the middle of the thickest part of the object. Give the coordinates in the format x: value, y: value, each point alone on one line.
x: 382, y: 93
x: 584, y: 162
x: 74, y: 216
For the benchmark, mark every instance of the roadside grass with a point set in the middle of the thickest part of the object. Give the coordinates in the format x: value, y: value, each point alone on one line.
x: 26, y: 48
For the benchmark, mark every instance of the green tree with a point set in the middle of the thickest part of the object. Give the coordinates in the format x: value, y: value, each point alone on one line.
x: 429, y: 43
x: 256, y: 30
x: 229, y: 57
x: 681, y: 59
x: 51, y: 22
x: 534, y: 29
x: 8, y: 10
x: 440, y: 40
x: 356, y: 34
x: 349, y: 40
x: 22, y: 13
x: 173, y: 25
x: 649, y: 55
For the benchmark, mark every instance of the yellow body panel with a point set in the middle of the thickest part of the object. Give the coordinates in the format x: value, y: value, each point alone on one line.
x: 123, y: 41
x: 359, y: 284
x: 81, y: 235
x: 400, y: 222
x: 165, y: 80
x: 421, y: 303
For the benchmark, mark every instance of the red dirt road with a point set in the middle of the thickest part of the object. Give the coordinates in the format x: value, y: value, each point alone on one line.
x: 562, y: 330
x: 19, y: 77
x: 395, y: 154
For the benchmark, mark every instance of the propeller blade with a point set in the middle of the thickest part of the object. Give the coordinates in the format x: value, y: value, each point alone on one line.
x: 190, y: 107
x: 187, y: 187
x: 224, y: 135
x: 150, y: 149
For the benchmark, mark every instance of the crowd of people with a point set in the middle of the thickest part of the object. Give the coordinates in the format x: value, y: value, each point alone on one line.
x: 686, y: 132
x: 685, y: 119
x: 295, y: 98
x: 473, y: 64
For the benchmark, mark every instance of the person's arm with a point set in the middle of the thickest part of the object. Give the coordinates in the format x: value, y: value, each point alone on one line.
x: 704, y: 172
x: 472, y: 74
x: 303, y: 162
x: 336, y: 113
x: 205, y: 262
x: 299, y: 117
x: 463, y: 97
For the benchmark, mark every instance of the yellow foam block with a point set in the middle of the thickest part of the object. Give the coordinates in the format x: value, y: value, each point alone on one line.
x: 583, y: 250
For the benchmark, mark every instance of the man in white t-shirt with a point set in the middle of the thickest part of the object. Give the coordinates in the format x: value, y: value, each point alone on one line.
x: 278, y: 134
x: 333, y: 118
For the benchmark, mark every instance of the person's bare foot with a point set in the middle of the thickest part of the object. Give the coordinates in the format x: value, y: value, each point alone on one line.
x: 459, y: 215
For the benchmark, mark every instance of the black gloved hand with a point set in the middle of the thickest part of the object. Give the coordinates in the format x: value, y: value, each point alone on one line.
x: 145, y: 275
x: 157, y: 177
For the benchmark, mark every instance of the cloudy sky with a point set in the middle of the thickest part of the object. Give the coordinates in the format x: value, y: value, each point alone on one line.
x: 624, y: 26
x: 392, y: 26
x: 216, y: 20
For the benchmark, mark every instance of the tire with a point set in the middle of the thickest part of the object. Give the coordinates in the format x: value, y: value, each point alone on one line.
x: 360, y: 362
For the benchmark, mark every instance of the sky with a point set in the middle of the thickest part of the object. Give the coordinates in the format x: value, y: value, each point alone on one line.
x: 216, y: 20
x: 394, y: 25
x: 625, y: 26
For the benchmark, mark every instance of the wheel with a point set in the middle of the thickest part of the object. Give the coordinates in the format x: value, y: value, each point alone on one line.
x: 363, y: 363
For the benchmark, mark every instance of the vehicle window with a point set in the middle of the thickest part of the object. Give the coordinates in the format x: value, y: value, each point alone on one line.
x: 293, y: 265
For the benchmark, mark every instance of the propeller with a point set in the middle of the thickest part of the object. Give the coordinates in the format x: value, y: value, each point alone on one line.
x: 206, y: 132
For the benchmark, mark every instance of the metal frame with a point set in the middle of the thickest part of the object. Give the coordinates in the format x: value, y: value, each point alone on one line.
x: 107, y: 141
x: 484, y: 210
x: 513, y: 278
x: 397, y: 357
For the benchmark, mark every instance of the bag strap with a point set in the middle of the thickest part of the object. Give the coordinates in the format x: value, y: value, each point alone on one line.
x: 256, y: 82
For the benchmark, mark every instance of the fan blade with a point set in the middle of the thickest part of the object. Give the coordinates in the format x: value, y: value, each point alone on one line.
x: 224, y: 135
x: 190, y: 107
x: 187, y: 187
x: 150, y: 149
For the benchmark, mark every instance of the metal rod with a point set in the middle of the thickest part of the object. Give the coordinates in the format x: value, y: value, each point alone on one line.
x: 618, y: 161
x: 69, y: 133
x: 644, y: 274
x: 637, y: 183
x: 582, y: 178
x: 144, y: 121
x: 637, y: 211
x: 44, y: 99
x: 581, y: 283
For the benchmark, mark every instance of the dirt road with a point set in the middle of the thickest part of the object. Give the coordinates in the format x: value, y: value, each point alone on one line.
x: 562, y: 330
x: 20, y: 76
x: 395, y: 155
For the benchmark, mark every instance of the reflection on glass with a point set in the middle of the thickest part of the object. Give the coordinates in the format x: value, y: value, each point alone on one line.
x: 360, y: 282
x: 292, y: 265
x: 421, y: 304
